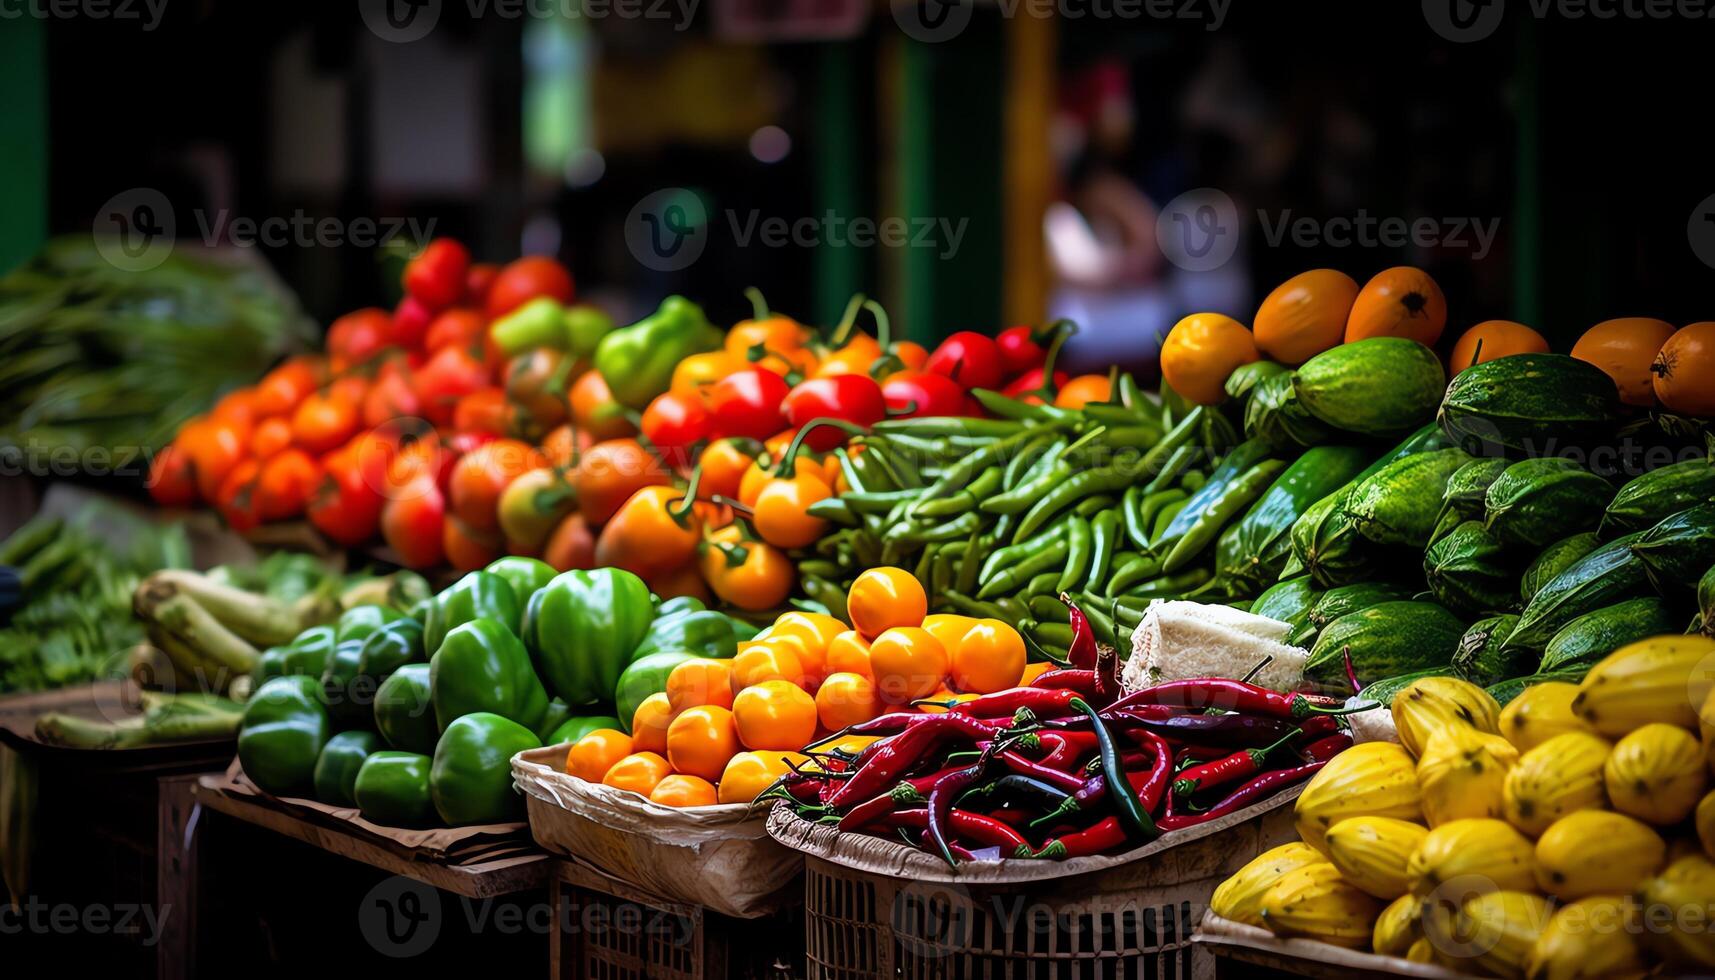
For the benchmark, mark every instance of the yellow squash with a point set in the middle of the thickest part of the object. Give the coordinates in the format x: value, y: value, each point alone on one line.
x: 1594, y: 852
x: 1316, y: 903
x: 1421, y: 951
x: 1500, y: 929
x: 1560, y: 776
x: 1398, y: 928
x: 1239, y: 898
x: 1373, y: 779
x: 1371, y: 852
x: 1683, y: 895
x: 1662, y: 679
x: 1586, y: 938
x: 1540, y: 713
x: 1426, y: 706
x: 1656, y: 774
x: 1481, y: 854
x: 1463, y: 773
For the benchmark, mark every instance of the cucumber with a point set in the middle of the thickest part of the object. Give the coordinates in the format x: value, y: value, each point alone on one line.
x: 1536, y: 501
x: 1511, y: 688
x: 1677, y: 551
x: 1275, y: 415
x: 1469, y: 571
x: 1555, y: 558
x: 1345, y: 599
x: 1468, y: 486
x: 1383, y: 691
x: 1261, y: 540
x: 1594, y: 635
x: 1605, y: 576
x: 1398, y: 504
x: 1288, y: 601
x: 1481, y: 659
x: 1375, y: 387
x: 1385, y: 640
x: 1646, y: 500
x: 1246, y: 377
x: 1529, y: 405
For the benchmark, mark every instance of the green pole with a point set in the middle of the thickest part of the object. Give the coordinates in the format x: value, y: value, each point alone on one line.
x: 837, y: 272
x: 24, y: 151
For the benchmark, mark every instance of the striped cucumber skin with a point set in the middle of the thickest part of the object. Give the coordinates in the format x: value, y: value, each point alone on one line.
x: 1648, y: 499
x: 1374, y: 387
x: 1594, y: 635
x: 1398, y: 504
x: 1536, y: 501
x: 1385, y: 640
x: 1608, y: 575
x: 1528, y: 405
x: 1553, y: 560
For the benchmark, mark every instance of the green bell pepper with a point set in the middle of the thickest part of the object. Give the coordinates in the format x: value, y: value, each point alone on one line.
x: 679, y: 605
x: 525, y: 575
x: 307, y: 656
x: 585, y: 327
x: 707, y: 634
x: 393, y: 789
x: 481, y: 666
x: 557, y: 714
x: 742, y: 631
x: 282, y: 735
x: 404, y: 712
x: 346, y: 693
x: 270, y: 663
x: 645, y: 676
x: 419, y: 610
x: 541, y: 322
x: 336, y: 769
x: 637, y: 362
x: 470, y: 780
x: 573, y: 729
x: 358, y: 622
x: 581, y: 628
x: 478, y: 594
x: 391, y: 647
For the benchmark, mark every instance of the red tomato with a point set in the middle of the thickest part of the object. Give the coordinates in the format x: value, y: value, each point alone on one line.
x: 525, y: 279
x: 324, y: 422
x: 856, y: 398
x: 1019, y: 351
x: 411, y: 321
x: 269, y: 437
x: 478, y: 281
x: 912, y: 394
x: 172, y: 477
x: 237, y: 499
x: 391, y: 396
x: 457, y: 327
x: 214, y: 448
x: 1030, y: 381
x: 969, y: 358
x: 467, y: 550
x: 237, y: 406
x: 746, y: 403
x: 357, y: 337
x: 284, y: 486
x: 450, y: 375
x: 281, y: 389
x: 483, y: 410
x: 436, y: 276
x: 674, y: 422
x: 412, y: 525
x: 345, y: 507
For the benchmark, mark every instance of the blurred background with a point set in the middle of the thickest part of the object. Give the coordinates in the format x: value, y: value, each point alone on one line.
x: 1010, y: 160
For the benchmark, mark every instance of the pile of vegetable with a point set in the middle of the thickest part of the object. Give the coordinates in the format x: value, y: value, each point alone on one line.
x: 1569, y: 834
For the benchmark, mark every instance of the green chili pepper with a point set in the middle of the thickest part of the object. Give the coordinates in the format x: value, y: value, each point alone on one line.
x: 1054, y: 634
x: 1174, y: 468
x: 1089, y: 507
x: 1104, y: 535
x: 985, y: 485
x: 1170, y: 586
x: 834, y: 509
x: 1135, y: 569
x: 996, y: 403
x: 1043, y: 584
x: 1165, y: 517
x: 1079, y: 546
x: 1131, y: 508
x: 1154, y: 503
x: 960, y: 473
x: 1193, y: 481
x: 1228, y: 506
x: 1021, y: 497
x: 1103, y: 480
x: 1049, y: 609
x: 1012, y: 554
x: 826, y: 593
x: 854, y: 480
x: 967, y: 606
x: 1131, y: 811
x: 941, y: 426
x: 1183, y: 434
x: 1008, y: 579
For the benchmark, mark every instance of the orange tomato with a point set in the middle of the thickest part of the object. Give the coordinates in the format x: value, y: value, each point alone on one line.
x: 774, y: 715
x: 724, y: 462
x: 592, y: 756
x: 1082, y: 390
x: 594, y: 411
x: 1398, y: 302
x: 457, y: 327
x: 1625, y: 348
x: 571, y: 545
x: 817, y: 627
x: 749, y: 773
x: 358, y: 336
x: 812, y: 655
x: 883, y: 598
x: 854, y: 358
x: 908, y: 663
x: 949, y: 629
x: 563, y: 445
x: 281, y: 389
x: 610, y: 472
x: 214, y: 448
x: 536, y: 385
x: 701, y: 740
x: 911, y: 354
x: 781, y: 512
x: 237, y: 406
x: 771, y: 331
x: 533, y: 505
x: 1684, y: 371
x: 699, y: 682
x: 692, y: 375
x: 467, y: 550
x: 846, y: 699
x: 269, y: 437
x: 646, y: 538
x: 1305, y: 315
x: 685, y: 580
x: 1491, y: 340
x: 639, y: 772
x: 172, y: 477
x: 1200, y: 351
x: 649, y: 723
x: 285, y: 483
x: 848, y: 653
x: 481, y: 475
x: 751, y: 575
x: 989, y: 658
x: 759, y: 661
x: 324, y: 422
x: 682, y: 790
x: 483, y: 410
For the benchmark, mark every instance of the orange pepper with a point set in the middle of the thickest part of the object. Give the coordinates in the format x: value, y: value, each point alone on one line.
x: 854, y: 358
x: 748, y: 574
x: 782, y: 509
x: 695, y: 373
x: 771, y: 330
x: 724, y: 463
x: 653, y: 532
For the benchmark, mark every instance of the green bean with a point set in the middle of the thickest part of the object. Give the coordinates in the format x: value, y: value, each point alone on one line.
x: 941, y: 572
x: 996, y: 403
x: 942, y: 426
x: 1131, y: 508
x: 1078, y: 548
x: 1104, y: 535
x: 1109, y: 414
x: 1137, y: 568
x: 1133, y: 436
x: 1103, y: 480
x: 968, y: 564
x: 1170, y: 586
x: 1226, y: 508
x: 1021, y: 497
x: 1059, y: 634
x: 1134, y: 397
x: 1182, y: 434
x: 877, y: 502
x: 960, y: 473
x: 1025, y: 458
x: 956, y: 528
x: 1218, y: 433
x: 983, y: 486
x: 967, y: 606
x: 868, y: 549
x: 854, y: 480
x: 1154, y: 503
x: 1010, y: 578
x: 835, y: 509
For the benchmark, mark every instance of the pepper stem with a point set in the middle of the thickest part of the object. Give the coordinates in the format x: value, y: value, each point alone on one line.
x: 680, y: 510
x: 848, y: 321
x: 784, y: 470
x: 883, y: 326
x: 1062, y: 329
x: 1067, y: 806
x: 758, y: 305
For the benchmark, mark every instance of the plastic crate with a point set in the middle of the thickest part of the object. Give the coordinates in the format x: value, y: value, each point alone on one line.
x: 1130, y: 918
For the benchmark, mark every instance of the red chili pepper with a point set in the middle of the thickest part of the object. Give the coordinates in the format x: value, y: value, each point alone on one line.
x: 1107, y: 676
x: 1081, y: 681
x: 1065, y: 748
x: 1233, y: 731
x: 1130, y: 716
x: 947, y: 789
x: 868, y: 812
x: 1251, y: 792
x: 1042, y: 701
x: 1247, y: 762
x: 1035, y: 770
x: 1231, y: 695
x: 900, y: 752
x: 972, y: 826
x: 1155, y: 784
x: 1317, y: 726
x: 1099, y: 838
x: 1082, y: 653
x: 1327, y: 747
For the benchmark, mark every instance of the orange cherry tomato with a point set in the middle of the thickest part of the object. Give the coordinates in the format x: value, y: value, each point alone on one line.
x: 592, y: 756
x: 653, y: 532
x: 413, y: 525
x: 752, y: 575
x: 758, y: 473
x: 1305, y: 315
x: 172, y: 477
x: 214, y: 448
x: 1494, y: 339
x: 772, y: 332
x: 908, y: 663
x: 1398, y: 302
x: 846, y: 699
x: 467, y: 550
x: 699, y: 682
x: 812, y: 655
x: 570, y: 545
x: 1082, y: 390
x: 236, y: 498
x: 694, y: 374
x: 323, y: 422
x: 537, y: 384
x: 1683, y: 372
x: 774, y: 715
x: 285, y: 483
x: 685, y: 580
x: 610, y: 472
x: 649, y: 723
x: 456, y: 327
x: 563, y: 445
x: 481, y: 475
x: 237, y: 406
x: 848, y: 653
x: 1625, y: 349
x: 1035, y: 670
x: 639, y: 772
x: 781, y: 512
x: 883, y: 598
x: 854, y: 358
x: 1200, y: 351
x: 269, y: 437
x: 281, y: 389
x: 683, y: 790
x: 911, y: 354
x: 483, y: 410
x: 818, y: 627
x: 749, y: 773
x: 990, y: 657
x: 949, y: 629
x: 532, y: 505
x: 758, y: 662
x: 345, y: 506
x: 701, y: 740
x: 724, y: 462
x: 595, y: 411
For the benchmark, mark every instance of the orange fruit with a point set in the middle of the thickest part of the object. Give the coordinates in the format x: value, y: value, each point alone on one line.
x: 749, y: 773
x: 682, y: 790
x: 943, y: 695
x: 846, y: 699
x: 818, y: 626
x: 849, y: 654
x: 649, y: 723
x: 990, y: 658
x: 812, y: 653
x: 700, y: 681
x: 949, y: 629
x: 592, y: 756
x: 1305, y: 315
x: 908, y: 663
x: 774, y: 715
x: 1082, y: 390
x: 701, y: 740
x: 759, y: 661
x: 639, y: 772
x: 883, y: 598
x: 1033, y: 671
x: 1200, y: 351
x: 1684, y: 371
x: 1492, y: 340
x: 851, y: 744
x: 1625, y: 348
x: 1399, y: 302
